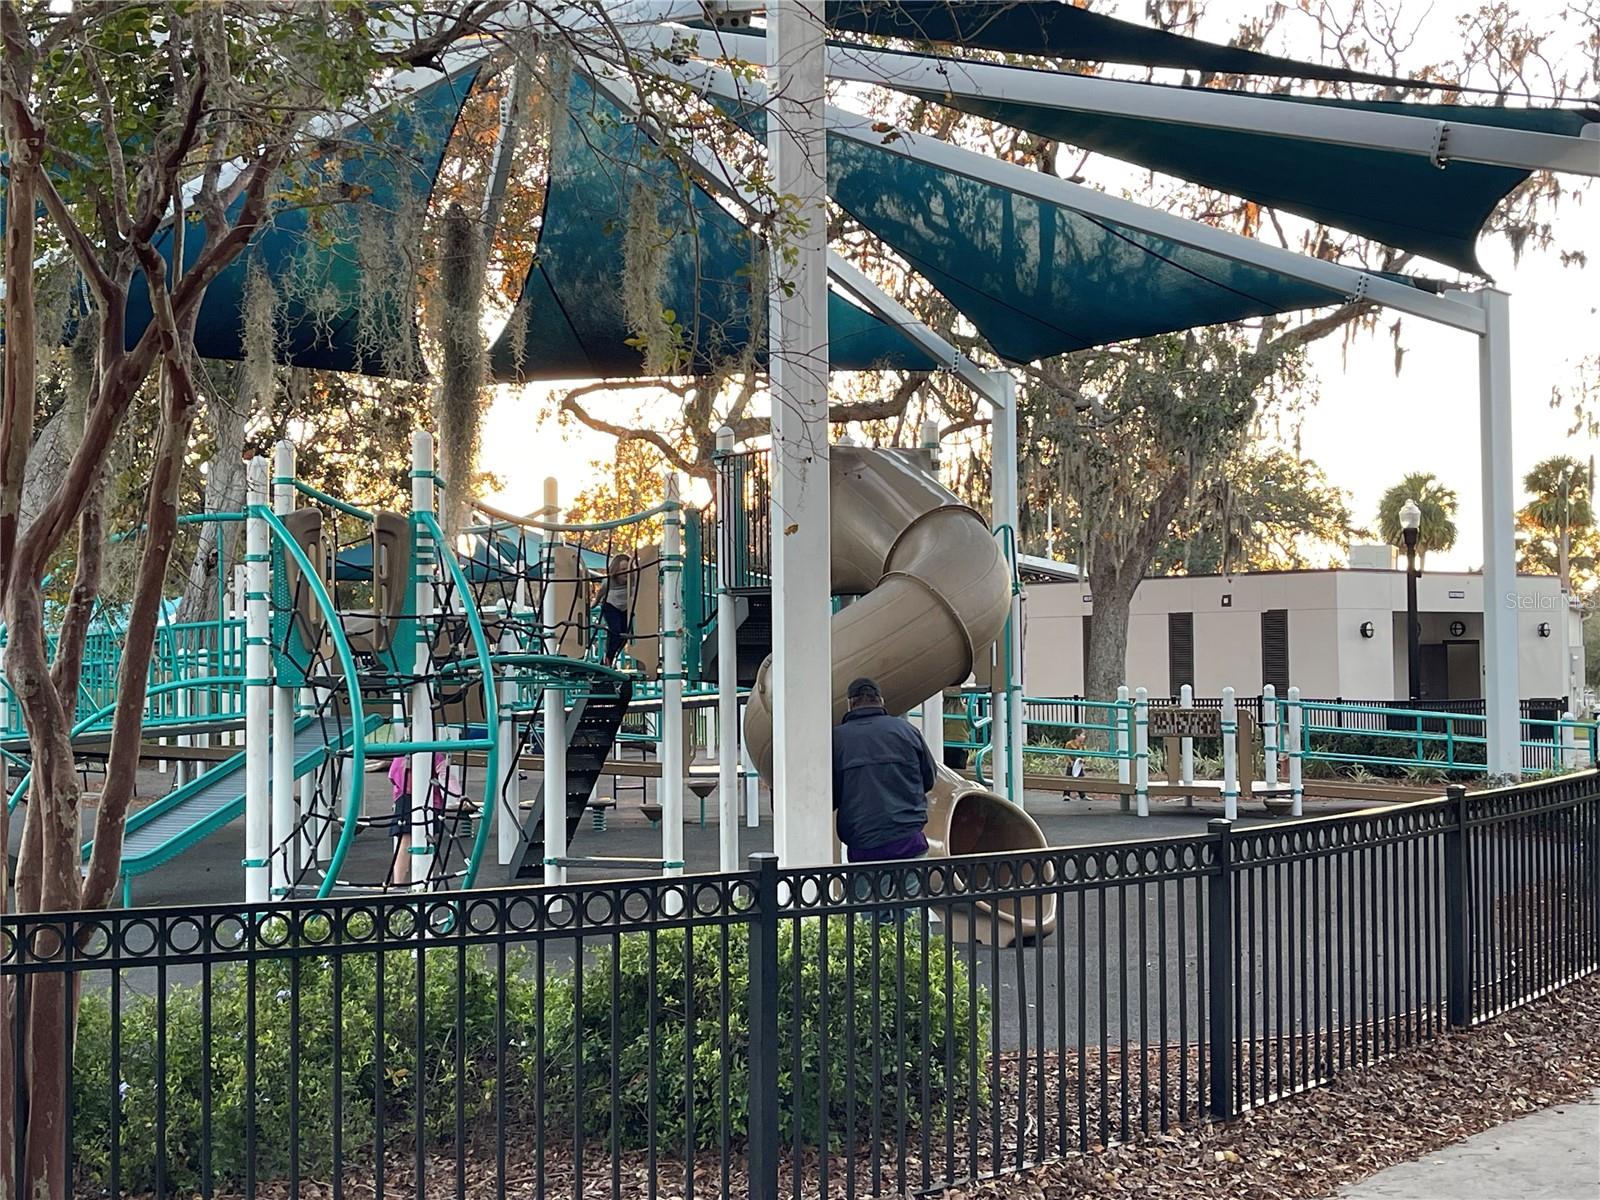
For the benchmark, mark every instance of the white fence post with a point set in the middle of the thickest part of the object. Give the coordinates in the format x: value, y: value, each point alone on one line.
x: 257, y: 694
x: 1269, y: 734
x: 1186, y: 747
x: 554, y: 712
x: 1296, y: 731
x: 727, y: 665
x: 284, y: 842
x: 1230, y: 755
x: 1141, y: 750
x: 422, y: 560
x: 672, y: 764
x: 1120, y: 743
x: 1569, y: 751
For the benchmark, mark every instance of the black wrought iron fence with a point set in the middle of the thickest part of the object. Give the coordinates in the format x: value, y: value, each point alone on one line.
x: 866, y: 1029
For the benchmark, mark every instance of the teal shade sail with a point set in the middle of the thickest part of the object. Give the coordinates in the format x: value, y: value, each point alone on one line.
x: 330, y: 317
x: 1401, y: 200
x: 1057, y: 29
x: 1039, y: 279
x: 571, y: 320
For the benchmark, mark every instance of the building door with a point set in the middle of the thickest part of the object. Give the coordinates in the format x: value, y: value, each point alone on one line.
x: 1434, y: 682
x: 1463, y: 671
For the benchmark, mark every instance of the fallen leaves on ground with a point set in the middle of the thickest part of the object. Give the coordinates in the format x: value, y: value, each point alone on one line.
x: 1397, y: 1110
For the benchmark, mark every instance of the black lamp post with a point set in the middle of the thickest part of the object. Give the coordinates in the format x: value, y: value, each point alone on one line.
x: 1410, y: 519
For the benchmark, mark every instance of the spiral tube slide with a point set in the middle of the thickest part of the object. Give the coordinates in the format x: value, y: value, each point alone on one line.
x: 934, y: 591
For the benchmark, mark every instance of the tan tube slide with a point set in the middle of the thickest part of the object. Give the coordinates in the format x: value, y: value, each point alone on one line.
x: 934, y: 591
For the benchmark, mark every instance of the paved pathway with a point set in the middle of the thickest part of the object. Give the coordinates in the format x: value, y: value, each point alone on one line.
x: 1551, y: 1155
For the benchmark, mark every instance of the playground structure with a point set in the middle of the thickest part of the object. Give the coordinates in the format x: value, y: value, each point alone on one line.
x: 351, y: 639
x: 354, y: 637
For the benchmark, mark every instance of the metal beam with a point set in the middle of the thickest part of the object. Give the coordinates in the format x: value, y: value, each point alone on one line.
x: 1350, y: 282
x: 1443, y: 142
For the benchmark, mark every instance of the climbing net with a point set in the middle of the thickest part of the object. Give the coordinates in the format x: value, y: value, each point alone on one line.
x: 387, y: 675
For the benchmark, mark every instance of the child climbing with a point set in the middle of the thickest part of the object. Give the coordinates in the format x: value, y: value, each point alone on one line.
x: 400, y: 829
x: 615, y: 605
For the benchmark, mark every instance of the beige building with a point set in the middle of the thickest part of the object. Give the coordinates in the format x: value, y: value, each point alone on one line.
x: 1331, y: 633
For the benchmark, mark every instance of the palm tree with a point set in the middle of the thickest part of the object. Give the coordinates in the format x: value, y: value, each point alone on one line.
x: 1437, y: 530
x: 1560, y: 488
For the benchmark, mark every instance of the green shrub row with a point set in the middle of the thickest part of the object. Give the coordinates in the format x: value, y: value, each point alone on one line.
x: 667, y: 1014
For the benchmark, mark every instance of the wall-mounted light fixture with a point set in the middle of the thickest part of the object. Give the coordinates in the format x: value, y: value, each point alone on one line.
x: 1544, y: 629
x: 1368, y: 629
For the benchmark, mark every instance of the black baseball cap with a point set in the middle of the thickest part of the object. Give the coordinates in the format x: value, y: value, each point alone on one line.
x: 862, y: 686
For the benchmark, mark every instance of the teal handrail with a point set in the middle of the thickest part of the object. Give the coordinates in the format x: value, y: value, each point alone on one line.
x: 322, y: 497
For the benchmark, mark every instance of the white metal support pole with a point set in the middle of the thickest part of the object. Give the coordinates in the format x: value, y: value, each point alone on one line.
x: 1269, y: 734
x: 508, y: 795
x: 1010, y: 735
x: 1230, y: 755
x: 554, y: 712
x: 752, y: 788
x: 284, y: 841
x: 257, y: 693
x: 932, y: 712
x: 1295, y: 730
x: 1186, y: 745
x: 727, y: 670
x: 1120, y: 743
x: 802, y: 684
x: 1141, y: 751
x: 422, y: 560
x: 1569, y: 750
x: 1502, y: 724
x: 672, y: 764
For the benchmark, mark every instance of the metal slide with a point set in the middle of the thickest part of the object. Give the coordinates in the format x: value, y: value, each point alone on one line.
x: 188, y: 815
x: 934, y: 591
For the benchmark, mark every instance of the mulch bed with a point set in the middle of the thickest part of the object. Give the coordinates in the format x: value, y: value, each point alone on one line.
x: 1307, y: 1145
x: 1312, y: 1144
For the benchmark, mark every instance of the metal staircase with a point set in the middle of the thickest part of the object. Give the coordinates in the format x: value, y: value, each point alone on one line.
x: 592, y: 724
x: 753, y: 637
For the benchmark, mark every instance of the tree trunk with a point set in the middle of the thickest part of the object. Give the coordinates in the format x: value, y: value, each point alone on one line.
x: 18, y: 365
x: 224, y: 493
x: 1107, y: 667
x: 133, y: 676
x: 50, y: 865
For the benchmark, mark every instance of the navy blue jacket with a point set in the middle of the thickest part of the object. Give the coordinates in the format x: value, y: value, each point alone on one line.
x: 882, y: 773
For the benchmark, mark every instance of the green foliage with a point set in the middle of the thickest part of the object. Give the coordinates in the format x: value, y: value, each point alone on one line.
x: 1437, y: 529
x: 671, y: 993
x: 1269, y: 510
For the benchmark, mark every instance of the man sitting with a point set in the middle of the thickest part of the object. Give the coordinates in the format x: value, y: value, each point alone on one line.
x: 882, y: 773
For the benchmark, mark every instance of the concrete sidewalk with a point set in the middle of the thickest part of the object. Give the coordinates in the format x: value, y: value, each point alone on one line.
x: 1551, y: 1155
